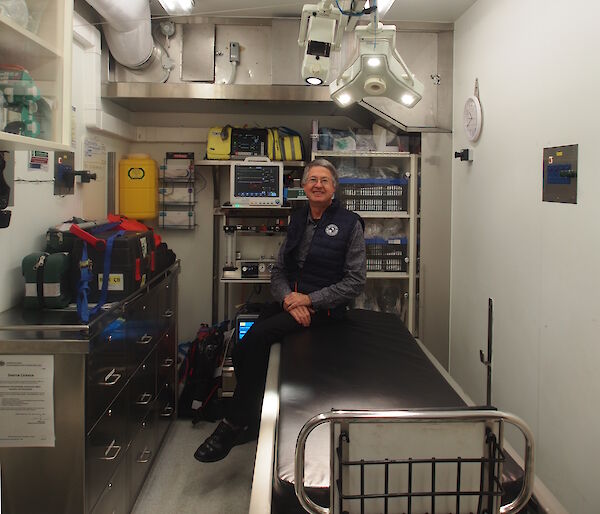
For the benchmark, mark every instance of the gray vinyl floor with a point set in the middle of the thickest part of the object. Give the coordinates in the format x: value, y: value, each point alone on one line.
x: 179, y: 484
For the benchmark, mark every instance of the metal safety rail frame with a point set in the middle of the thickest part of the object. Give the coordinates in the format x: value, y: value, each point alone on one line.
x: 415, y: 472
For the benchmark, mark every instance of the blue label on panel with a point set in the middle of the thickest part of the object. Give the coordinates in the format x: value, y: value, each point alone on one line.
x: 554, y: 171
x: 379, y: 240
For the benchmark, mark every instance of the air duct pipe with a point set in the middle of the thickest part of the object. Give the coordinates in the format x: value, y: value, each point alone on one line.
x: 128, y: 31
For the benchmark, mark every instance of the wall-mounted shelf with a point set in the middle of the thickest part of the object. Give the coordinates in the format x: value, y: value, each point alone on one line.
x: 388, y: 274
x: 23, y: 44
x: 394, y: 155
x: 245, y: 280
x: 384, y: 214
x: 209, y: 162
x: 177, y: 192
x: 251, y: 212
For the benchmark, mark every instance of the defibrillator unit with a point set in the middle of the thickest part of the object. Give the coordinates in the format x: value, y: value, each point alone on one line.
x: 277, y: 143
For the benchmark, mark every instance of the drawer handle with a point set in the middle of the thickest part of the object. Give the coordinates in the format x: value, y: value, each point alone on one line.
x: 167, y: 411
x: 144, y: 456
x: 111, y: 378
x: 145, y: 399
x: 167, y: 363
x: 168, y: 313
x: 145, y: 339
x: 112, y: 447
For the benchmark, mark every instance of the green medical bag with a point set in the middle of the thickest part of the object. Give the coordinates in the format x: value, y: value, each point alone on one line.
x: 46, y: 280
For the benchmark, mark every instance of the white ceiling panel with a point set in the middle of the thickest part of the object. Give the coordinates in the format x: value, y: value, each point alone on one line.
x: 402, y: 10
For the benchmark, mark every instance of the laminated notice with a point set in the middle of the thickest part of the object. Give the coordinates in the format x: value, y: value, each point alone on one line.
x: 27, y: 400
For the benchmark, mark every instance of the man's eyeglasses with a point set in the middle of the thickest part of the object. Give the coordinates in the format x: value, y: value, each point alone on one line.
x: 313, y: 180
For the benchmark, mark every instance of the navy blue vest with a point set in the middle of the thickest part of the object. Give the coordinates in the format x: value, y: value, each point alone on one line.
x: 324, y: 263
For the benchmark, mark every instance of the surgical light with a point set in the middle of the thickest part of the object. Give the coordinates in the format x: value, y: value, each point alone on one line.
x: 391, y: 79
x: 177, y: 6
x: 319, y: 36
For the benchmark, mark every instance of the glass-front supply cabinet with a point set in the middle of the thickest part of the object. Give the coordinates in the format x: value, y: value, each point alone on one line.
x: 35, y: 74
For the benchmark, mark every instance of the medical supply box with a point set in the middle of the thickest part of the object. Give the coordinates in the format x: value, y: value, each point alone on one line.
x: 131, y: 264
x: 46, y: 280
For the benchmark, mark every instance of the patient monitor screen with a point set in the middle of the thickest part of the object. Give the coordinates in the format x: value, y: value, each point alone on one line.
x: 243, y: 327
x: 257, y: 185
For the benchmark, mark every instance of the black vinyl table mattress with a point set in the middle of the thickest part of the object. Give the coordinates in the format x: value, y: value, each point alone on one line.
x: 367, y: 361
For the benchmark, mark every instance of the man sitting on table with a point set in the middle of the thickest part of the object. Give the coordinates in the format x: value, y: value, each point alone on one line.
x: 321, y: 267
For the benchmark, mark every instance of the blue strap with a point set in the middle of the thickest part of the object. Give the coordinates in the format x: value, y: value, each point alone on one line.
x: 83, y: 288
x: 86, y: 275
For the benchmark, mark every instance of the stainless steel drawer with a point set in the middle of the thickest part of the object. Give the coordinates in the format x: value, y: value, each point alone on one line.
x: 166, y: 301
x: 142, y: 387
x: 106, y: 445
x: 115, y: 497
x: 141, y: 454
x: 166, y: 358
x: 142, y: 329
x: 166, y: 411
x: 106, y: 374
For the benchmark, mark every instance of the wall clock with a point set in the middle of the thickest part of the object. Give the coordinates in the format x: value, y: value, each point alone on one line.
x: 472, y: 115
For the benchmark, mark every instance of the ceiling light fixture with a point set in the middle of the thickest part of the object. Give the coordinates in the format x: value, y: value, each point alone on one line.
x: 177, y: 6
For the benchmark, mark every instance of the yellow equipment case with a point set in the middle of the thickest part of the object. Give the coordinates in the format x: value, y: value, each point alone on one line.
x: 277, y: 143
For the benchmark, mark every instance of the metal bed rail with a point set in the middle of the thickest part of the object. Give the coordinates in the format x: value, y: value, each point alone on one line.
x: 492, y: 461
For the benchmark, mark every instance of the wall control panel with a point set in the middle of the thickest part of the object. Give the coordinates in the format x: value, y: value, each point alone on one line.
x: 560, y: 174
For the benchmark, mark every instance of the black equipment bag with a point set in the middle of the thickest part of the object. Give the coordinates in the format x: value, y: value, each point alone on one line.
x: 164, y: 257
x: 200, y: 376
x: 60, y: 239
x: 131, y: 263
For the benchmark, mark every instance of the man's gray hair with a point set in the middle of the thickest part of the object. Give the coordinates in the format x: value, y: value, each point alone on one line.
x: 325, y: 164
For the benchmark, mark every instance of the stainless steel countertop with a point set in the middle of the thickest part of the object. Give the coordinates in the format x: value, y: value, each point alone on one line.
x: 32, y: 331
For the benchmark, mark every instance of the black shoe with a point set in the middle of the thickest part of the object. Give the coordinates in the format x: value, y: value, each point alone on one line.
x: 220, y: 443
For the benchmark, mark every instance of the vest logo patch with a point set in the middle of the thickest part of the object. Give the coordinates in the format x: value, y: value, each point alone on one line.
x: 332, y: 230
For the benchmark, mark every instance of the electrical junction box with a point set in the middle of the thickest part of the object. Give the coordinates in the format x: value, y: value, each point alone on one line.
x: 64, y: 177
x: 560, y: 174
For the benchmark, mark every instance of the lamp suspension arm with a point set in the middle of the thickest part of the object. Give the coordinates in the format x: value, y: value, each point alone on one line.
x: 410, y: 78
x: 353, y: 21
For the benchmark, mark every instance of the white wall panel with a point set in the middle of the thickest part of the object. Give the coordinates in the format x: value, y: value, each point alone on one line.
x: 538, y: 261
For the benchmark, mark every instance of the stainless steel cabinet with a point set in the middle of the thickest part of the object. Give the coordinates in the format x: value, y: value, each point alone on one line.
x: 114, y: 396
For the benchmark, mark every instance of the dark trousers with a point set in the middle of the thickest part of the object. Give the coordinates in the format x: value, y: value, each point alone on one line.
x: 251, y: 359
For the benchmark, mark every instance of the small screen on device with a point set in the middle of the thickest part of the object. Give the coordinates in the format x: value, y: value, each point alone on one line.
x: 256, y: 181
